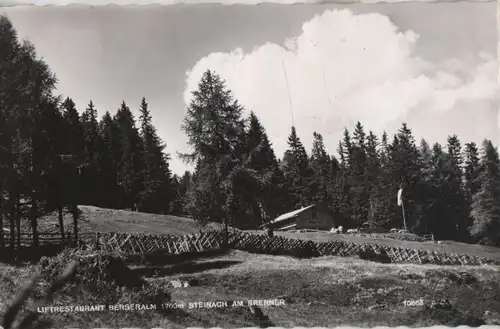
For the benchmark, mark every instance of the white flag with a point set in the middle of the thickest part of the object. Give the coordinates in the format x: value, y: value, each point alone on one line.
x: 400, y: 199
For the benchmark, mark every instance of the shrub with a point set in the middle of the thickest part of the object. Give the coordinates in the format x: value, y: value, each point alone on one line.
x: 99, y: 273
x: 103, y: 277
x: 92, y: 267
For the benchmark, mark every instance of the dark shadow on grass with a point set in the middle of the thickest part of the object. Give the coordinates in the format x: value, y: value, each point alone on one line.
x: 30, y: 255
x: 184, y: 268
x: 161, y: 258
x: 184, y: 318
x: 43, y: 324
x: 447, y: 317
x: 374, y: 257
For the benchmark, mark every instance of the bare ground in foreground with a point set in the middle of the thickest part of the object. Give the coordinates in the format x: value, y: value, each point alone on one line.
x: 326, y: 291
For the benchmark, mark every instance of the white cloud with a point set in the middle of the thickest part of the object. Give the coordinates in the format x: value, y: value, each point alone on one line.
x: 344, y: 68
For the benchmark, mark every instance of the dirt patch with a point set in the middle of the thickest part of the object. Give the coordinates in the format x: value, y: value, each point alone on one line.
x: 326, y: 291
x: 351, y: 292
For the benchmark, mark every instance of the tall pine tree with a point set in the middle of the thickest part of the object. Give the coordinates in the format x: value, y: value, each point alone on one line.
x: 215, y: 130
x: 404, y: 170
x: 486, y: 202
x: 130, y: 158
x: 358, y: 176
x: 458, y: 196
x: 297, y: 172
x: 321, y: 166
x: 91, y: 173
x: 108, y: 162
x: 158, y: 185
x: 272, y: 196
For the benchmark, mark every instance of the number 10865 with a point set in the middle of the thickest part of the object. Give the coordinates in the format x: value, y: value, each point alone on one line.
x: 414, y: 302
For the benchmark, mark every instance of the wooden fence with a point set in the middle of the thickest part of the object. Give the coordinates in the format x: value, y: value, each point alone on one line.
x: 258, y: 243
x: 26, y: 239
x: 127, y: 243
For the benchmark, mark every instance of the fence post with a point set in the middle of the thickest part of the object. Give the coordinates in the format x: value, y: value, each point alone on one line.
x: 2, y: 233
x: 97, y: 242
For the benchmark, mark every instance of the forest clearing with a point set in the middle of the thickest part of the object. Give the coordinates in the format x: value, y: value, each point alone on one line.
x: 138, y: 168
x: 347, y: 290
x: 95, y: 219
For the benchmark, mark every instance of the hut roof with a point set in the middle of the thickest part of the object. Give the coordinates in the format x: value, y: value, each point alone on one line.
x: 288, y: 215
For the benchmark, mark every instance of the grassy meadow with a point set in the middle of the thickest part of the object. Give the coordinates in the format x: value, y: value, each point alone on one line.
x: 323, y: 291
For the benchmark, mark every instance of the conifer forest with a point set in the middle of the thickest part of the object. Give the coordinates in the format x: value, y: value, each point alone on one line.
x: 54, y: 156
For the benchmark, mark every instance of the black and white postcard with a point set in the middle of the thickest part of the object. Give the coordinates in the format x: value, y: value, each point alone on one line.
x: 271, y: 165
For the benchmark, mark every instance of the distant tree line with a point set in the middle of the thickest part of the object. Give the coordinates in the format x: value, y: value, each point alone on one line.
x: 53, y: 157
x: 452, y: 191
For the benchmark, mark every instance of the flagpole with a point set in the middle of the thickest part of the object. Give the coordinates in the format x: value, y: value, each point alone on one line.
x: 401, y: 203
x: 403, y: 209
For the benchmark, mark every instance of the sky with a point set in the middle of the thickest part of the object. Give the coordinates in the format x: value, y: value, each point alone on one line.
x: 319, y: 67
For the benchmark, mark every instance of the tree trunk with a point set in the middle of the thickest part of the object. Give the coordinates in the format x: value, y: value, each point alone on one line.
x: 60, y: 203
x: 2, y: 217
x: 12, y: 220
x: 18, y: 221
x: 61, y: 219
x: 34, y: 222
x: 74, y: 212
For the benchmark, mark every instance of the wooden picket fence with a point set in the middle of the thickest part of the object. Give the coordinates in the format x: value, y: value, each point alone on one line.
x: 259, y: 243
x: 140, y: 243
x: 26, y: 239
x: 284, y: 246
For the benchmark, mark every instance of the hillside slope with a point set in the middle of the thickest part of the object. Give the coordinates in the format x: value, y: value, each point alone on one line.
x: 95, y: 219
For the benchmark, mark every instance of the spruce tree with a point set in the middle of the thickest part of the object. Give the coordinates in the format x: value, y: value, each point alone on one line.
x: 258, y: 144
x: 346, y: 150
x: 158, y: 186
x: 91, y: 129
x: 341, y: 184
x: 108, y: 162
x: 441, y: 214
x: 382, y: 197
x: 272, y: 196
x: 54, y: 179
x: 458, y: 196
x: 374, y: 174
x: 404, y: 170
x: 321, y: 167
x: 359, y: 188
x: 130, y: 158
x: 472, y: 169
x: 74, y: 151
x: 425, y: 154
x: 297, y: 171
x: 486, y: 202
x: 92, y: 143
x: 426, y: 189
